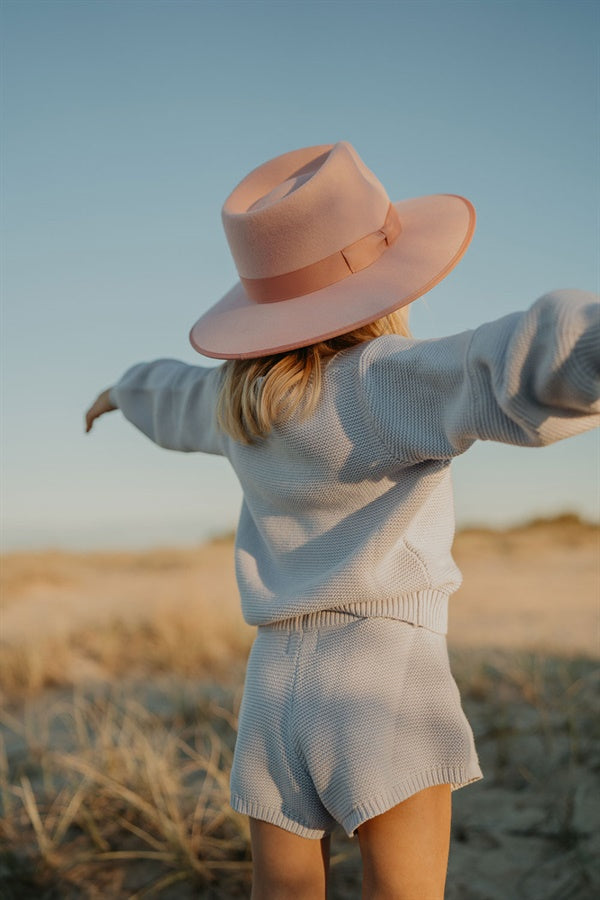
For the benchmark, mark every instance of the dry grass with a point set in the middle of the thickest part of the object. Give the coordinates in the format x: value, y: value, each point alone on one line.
x: 123, y: 792
x: 110, y: 799
x: 122, y: 673
x: 100, y: 615
x: 179, y: 644
x: 68, y: 618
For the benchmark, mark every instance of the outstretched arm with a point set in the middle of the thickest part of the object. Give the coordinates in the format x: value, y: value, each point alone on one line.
x: 171, y: 402
x: 530, y: 379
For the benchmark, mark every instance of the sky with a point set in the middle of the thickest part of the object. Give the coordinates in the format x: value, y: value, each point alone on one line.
x: 125, y: 126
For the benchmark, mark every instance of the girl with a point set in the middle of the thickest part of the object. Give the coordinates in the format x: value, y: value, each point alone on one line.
x: 341, y: 428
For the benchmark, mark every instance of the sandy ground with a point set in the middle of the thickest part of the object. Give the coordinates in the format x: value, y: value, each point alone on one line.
x: 524, y: 642
x: 535, y: 588
x: 531, y: 588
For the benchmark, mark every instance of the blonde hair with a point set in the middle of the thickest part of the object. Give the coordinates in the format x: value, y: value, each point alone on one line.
x: 256, y: 393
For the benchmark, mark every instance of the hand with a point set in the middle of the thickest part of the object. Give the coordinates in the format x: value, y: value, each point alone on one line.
x: 100, y: 406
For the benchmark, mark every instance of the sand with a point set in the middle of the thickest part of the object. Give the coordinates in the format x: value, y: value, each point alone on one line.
x: 162, y: 630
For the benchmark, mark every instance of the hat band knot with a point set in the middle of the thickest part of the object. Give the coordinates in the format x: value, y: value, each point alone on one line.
x: 329, y: 270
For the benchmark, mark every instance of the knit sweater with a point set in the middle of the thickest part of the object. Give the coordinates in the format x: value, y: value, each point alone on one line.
x: 352, y: 508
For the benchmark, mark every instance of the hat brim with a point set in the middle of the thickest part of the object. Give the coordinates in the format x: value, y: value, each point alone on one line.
x: 436, y: 231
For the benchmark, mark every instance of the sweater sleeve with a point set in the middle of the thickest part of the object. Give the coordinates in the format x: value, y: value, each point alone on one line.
x: 172, y: 403
x: 529, y: 379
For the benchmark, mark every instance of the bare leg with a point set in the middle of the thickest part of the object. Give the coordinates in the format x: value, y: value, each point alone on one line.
x: 405, y: 850
x: 287, y: 866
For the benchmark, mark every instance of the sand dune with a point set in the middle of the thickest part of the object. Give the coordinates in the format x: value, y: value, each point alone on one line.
x: 120, y: 680
x: 535, y: 587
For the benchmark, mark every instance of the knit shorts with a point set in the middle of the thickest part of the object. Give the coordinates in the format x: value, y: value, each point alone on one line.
x: 342, y: 718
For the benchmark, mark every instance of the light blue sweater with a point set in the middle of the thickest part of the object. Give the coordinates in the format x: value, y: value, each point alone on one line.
x: 353, y: 508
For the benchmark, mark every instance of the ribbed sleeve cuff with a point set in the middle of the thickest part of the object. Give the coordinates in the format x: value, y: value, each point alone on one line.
x: 586, y: 370
x: 112, y: 396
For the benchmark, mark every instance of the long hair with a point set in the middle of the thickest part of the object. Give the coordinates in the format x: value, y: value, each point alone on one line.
x: 257, y: 393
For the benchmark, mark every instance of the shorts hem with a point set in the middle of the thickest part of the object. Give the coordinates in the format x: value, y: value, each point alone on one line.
x: 455, y: 776
x: 275, y: 817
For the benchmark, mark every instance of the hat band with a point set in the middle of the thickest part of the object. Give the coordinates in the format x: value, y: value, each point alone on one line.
x: 330, y: 269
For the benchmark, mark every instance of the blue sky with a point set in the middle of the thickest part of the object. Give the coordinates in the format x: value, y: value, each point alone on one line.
x: 127, y: 123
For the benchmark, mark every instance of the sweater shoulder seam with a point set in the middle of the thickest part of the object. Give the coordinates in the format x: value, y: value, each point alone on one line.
x: 362, y: 364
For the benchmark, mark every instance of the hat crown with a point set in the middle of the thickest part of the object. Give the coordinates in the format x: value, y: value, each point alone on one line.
x: 301, y: 207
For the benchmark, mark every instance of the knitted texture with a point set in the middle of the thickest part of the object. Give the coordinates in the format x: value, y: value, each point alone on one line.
x: 342, y: 718
x: 352, y: 509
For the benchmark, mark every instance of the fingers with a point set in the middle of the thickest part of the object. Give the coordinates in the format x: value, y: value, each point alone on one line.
x: 90, y: 415
x: 100, y: 406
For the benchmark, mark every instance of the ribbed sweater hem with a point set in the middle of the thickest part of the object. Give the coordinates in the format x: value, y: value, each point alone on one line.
x: 427, y: 608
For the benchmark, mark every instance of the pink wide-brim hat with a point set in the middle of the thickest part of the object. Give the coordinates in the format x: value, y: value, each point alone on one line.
x: 321, y: 250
